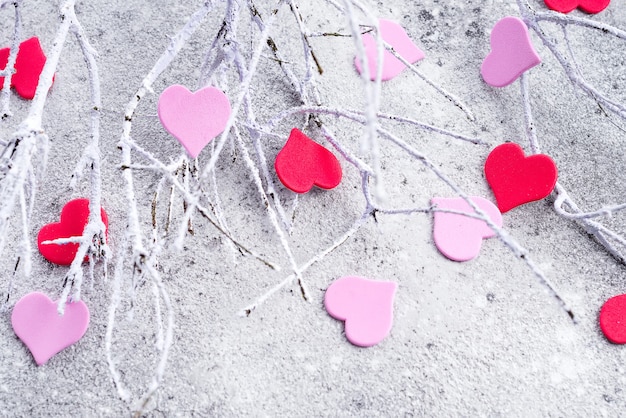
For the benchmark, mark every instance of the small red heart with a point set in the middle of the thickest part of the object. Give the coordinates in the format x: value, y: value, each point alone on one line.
x: 74, y: 218
x: 613, y: 319
x: 516, y: 179
x: 588, y: 6
x: 303, y: 163
x: 28, y: 66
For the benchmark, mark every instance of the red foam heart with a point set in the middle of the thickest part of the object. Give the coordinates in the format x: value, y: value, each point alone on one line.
x: 28, y: 66
x: 74, y: 218
x: 613, y: 319
x: 303, y: 163
x: 588, y: 6
x: 516, y: 179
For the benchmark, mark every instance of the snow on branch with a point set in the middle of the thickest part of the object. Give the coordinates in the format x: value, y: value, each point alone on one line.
x: 564, y: 205
x: 27, y: 150
x: 191, y: 181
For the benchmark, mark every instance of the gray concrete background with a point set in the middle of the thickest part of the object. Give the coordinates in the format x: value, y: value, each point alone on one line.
x: 477, y: 338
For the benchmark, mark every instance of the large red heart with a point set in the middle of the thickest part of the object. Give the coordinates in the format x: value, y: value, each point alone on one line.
x: 516, y: 179
x: 588, y: 6
x: 28, y: 66
x: 303, y: 163
x: 74, y: 218
x: 613, y: 319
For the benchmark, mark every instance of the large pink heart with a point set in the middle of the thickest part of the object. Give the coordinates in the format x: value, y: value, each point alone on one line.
x: 193, y: 118
x: 365, y: 305
x: 37, y: 323
x: 512, y: 53
x: 396, y: 36
x: 460, y: 237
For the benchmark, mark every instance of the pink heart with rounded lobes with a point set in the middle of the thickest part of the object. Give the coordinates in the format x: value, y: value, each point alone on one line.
x: 396, y: 36
x: 37, y: 323
x: 460, y: 237
x: 512, y: 53
x: 365, y: 305
x: 194, y: 119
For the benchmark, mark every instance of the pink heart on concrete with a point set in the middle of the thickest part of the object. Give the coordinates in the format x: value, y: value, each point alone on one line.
x: 193, y: 118
x: 460, y: 237
x: 512, y: 53
x: 396, y: 36
x: 37, y: 323
x: 365, y: 305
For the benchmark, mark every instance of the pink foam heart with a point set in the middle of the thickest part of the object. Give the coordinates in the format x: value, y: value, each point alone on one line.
x: 512, y: 53
x: 193, y: 118
x: 396, y: 36
x: 460, y: 237
x: 37, y: 323
x: 365, y: 305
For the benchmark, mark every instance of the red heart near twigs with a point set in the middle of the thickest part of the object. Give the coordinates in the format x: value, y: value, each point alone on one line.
x: 303, y: 163
x: 613, y: 319
x: 28, y: 66
x: 74, y: 218
x: 588, y: 6
x: 516, y: 179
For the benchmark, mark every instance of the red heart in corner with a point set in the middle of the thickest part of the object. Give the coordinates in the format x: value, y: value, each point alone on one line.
x: 516, y: 179
x: 74, y: 218
x: 588, y: 6
x: 28, y: 66
x: 613, y: 319
x: 303, y: 163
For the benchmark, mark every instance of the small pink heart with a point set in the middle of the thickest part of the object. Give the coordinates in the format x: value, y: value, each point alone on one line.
x: 460, y: 237
x: 365, y: 305
x: 512, y: 53
x: 193, y: 118
x: 396, y: 36
x: 37, y: 323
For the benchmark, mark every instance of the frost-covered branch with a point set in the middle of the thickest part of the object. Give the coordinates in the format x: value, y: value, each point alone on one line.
x: 29, y: 142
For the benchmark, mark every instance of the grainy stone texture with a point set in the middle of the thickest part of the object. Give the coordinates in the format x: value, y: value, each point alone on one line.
x: 477, y: 338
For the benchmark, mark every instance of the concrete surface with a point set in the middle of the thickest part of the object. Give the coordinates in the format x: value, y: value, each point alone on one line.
x: 481, y: 338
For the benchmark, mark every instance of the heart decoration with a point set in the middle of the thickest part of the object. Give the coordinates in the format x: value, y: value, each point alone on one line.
x: 194, y: 119
x: 613, y: 319
x: 516, y: 179
x: 303, y: 163
x: 460, y: 237
x: 588, y: 6
x: 37, y: 323
x: 365, y: 305
x: 74, y: 218
x: 29, y: 63
x: 396, y: 36
x: 512, y: 53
